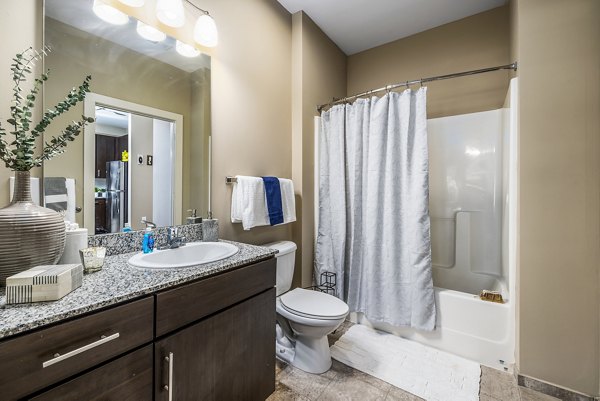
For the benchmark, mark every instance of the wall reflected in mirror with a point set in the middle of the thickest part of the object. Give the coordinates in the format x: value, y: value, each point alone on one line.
x: 149, y: 101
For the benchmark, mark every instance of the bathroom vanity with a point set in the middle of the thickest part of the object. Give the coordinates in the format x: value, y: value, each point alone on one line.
x: 204, y: 333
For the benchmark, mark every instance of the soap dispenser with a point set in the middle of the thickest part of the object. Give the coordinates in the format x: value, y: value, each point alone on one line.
x: 193, y: 218
x: 210, y: 229
x: 148, y: 241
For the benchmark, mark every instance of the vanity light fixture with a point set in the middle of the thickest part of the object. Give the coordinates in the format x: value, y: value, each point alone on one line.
x: 170, y: 12
x: 150, y: 33
x: 205, y: 30
x: 109, y: 13
x: 133, y: 3
x: 186, y: 50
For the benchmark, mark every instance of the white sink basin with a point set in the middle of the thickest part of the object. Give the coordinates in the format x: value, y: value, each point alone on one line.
x: 192, y: 254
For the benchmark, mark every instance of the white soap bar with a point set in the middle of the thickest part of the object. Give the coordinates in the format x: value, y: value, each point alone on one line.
x: 43, y: 283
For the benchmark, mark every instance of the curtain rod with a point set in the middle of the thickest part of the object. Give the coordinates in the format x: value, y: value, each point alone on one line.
x: 512, y: 66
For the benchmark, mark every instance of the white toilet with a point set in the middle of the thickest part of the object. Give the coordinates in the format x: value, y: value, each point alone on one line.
x: 304, y: 317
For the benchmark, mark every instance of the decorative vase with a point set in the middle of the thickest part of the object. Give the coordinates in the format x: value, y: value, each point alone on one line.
x: 30, y: 235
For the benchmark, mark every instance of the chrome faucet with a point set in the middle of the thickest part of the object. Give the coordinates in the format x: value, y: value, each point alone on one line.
x: 173, y: 239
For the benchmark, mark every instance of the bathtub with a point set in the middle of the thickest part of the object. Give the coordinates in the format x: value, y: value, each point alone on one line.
x: 466, y: 326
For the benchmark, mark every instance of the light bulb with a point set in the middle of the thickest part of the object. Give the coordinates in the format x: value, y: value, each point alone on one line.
x: 205, y: 31
x: 109, y: 13
x: 186, y: 50
x: 133, y: 3
x: 170, y: 12
x: 150, y: 33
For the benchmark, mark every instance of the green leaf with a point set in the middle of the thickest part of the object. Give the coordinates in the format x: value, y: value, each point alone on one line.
x: 19, y: 154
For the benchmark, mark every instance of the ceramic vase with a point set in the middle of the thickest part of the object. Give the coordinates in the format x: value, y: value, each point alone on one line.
x: 30, y: 235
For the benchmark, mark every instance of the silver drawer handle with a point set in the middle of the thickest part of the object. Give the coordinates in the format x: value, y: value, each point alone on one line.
x: 169, y: 386
x: 58, y: 357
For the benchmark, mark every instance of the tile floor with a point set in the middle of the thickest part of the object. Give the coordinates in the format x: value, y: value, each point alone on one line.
x: 342, y: 382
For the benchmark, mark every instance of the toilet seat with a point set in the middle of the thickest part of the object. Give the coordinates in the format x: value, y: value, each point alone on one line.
x: 313, y: 304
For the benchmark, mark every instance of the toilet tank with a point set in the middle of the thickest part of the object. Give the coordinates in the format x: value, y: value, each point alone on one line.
x: 286, y: 258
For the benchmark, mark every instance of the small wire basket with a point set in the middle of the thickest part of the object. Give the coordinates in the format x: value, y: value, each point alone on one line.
x: 328, y: 282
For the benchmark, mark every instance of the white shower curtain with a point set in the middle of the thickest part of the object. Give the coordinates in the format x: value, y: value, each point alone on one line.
x: 373, y: 208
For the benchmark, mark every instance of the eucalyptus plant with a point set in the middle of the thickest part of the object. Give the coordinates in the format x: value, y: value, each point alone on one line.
x: 20, y: 154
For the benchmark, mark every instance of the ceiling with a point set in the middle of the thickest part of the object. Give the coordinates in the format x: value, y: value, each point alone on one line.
x: 357, y: 25
x: 112, y: 118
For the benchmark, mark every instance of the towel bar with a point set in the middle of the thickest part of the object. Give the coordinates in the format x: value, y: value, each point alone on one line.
x: 230, y: 180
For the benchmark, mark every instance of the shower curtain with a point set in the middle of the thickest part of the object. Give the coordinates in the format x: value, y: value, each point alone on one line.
x: 373, y: 229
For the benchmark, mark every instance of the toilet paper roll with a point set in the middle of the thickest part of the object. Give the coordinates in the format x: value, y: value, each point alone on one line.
x: 76, y: 240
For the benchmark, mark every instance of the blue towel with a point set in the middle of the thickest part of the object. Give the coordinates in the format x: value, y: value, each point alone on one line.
x: 273, y: 193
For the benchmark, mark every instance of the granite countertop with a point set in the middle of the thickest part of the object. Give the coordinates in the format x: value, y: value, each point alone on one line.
x: 115, y: 283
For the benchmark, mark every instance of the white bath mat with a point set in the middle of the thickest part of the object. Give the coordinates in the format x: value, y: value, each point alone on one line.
x: 423, y: 371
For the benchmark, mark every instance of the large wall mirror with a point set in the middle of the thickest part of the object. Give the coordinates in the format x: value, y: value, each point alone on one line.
x: 147, y: 154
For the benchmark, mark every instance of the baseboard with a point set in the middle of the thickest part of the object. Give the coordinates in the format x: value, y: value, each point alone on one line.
x: 553, y: 390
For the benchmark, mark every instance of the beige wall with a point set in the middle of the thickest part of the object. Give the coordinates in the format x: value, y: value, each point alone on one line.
x: 251, y: 104
x: 201, y: 122
x: 513, y: 17
x: 558, y: 44
x: 141, y: 140
x: 474, y: 42
x: 251, y: 101
x: 21, y: 27
x: 319, y: 75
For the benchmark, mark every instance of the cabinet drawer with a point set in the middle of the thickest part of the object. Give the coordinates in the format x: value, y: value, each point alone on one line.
x: 188, y: 303
x: 33, y: 361
x: 124, y: 379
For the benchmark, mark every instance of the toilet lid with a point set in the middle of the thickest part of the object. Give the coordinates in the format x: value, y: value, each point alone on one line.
x: 314, y: 304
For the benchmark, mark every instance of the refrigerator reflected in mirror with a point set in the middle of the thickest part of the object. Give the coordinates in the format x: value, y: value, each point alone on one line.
x: 116, y: 196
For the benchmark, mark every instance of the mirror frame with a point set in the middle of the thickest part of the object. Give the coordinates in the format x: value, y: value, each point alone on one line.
x: 89, y: 151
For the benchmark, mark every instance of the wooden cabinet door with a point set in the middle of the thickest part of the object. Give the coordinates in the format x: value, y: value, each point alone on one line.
x: 106, y: 151
x: 128, y: 378
x: 229, y: 356
x: 122, y: 144
x: 100, y: 215
x: 100, y: 171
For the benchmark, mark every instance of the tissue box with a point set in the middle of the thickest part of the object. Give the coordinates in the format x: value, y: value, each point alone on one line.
x: 43, y: 283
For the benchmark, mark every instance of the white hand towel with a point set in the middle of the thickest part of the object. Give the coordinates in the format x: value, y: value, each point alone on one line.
x: 288, y: 201
x: 248, y: 202
x: 71, y: 200
x: 237, y: 201
x: 236, y: 204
